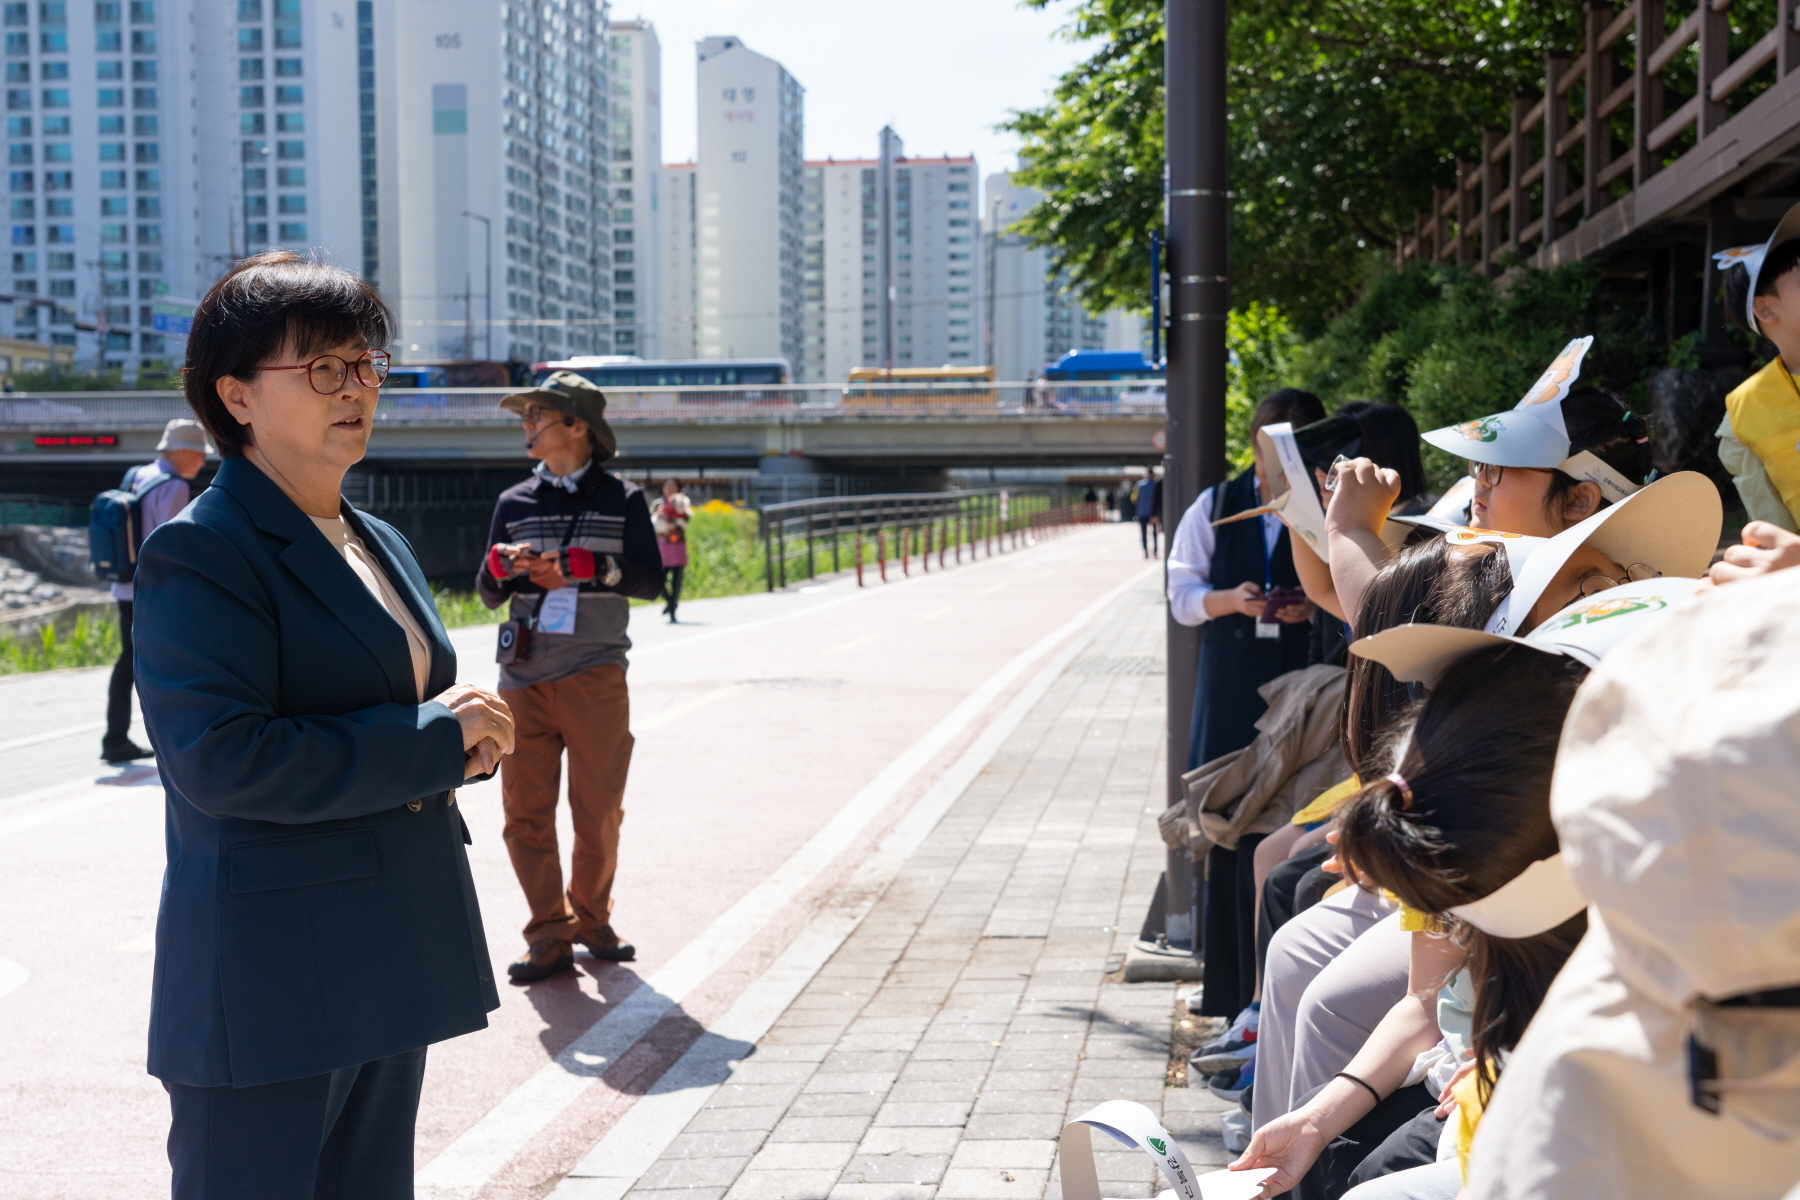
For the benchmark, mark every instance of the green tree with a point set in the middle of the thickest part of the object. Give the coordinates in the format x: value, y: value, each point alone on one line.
x: 1343, y: 115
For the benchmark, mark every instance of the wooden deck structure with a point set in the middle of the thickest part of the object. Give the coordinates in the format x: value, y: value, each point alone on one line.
x: 1610, y: 157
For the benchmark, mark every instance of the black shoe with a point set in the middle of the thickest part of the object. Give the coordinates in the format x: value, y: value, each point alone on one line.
x: 607, y: 946
x: 546, y: 957
x: 123, y: 751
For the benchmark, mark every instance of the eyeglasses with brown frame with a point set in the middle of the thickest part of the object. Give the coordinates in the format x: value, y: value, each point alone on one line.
x: 326, y: 373
x: 1489, y: 475
x: 1593, y: 585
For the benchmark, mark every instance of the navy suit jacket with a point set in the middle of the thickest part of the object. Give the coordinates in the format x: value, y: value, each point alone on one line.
x: 317, y: 908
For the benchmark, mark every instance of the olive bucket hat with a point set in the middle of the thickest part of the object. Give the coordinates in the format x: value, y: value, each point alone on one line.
x: 574, y: 396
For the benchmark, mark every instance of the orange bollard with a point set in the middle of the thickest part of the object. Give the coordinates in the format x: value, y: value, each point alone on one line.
x: 881, y: 552
x: 859, y: 556
x: 904, y: 537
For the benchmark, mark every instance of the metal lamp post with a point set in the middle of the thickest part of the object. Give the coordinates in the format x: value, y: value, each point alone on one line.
x: 1194, y: 459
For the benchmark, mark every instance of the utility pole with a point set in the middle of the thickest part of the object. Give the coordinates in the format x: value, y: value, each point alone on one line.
x: 487, y: 233
x: 468, y: 299
x: 1194, y: 80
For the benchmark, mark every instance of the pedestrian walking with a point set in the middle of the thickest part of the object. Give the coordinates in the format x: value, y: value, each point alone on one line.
x: 318, y: 926
x: 670, y: 516
x: 160, y: 490
x: 567, y: 548
x: 1148, y: 499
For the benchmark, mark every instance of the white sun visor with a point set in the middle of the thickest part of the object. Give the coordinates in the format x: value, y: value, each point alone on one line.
x: 1671, y: 526
x: 1586, y: 630
x: 1751, y: 258
x: 1535, y: 901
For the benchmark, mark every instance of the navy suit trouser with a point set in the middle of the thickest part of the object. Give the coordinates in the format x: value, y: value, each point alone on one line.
x: 344, y: 1135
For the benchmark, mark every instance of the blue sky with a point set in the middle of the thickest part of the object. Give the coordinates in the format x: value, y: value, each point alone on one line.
x: 943, y: 72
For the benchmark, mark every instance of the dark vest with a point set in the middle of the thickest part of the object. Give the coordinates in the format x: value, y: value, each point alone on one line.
x: 1234, y: 662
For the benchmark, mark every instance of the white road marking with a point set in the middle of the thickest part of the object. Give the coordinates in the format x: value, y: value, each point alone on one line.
x: 640, y: 1136
x: 39, y: 807
x: 38, y: 739
x: 464, y: 1166
x: 853, y: 643
x: 677, y: 711
x: 12, y: 976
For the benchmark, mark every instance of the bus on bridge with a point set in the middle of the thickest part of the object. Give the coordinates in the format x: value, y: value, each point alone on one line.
x: 628, y: 371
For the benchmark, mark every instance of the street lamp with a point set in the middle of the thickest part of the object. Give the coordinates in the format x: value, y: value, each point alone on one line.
x: 487, y: 230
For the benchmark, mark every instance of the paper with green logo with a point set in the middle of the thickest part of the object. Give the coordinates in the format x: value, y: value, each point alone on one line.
x: 1133, y: 1125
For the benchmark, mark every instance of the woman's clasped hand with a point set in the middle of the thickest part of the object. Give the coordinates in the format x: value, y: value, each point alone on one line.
x: 487, y: 726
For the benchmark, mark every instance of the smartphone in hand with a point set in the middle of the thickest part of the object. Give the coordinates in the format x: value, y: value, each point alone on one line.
x: 1279, y: 599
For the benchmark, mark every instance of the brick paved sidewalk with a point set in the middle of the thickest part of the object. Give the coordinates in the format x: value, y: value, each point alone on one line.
x: 944, y: 1045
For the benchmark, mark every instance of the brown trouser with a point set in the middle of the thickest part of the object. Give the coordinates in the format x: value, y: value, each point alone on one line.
x: 590, y: 715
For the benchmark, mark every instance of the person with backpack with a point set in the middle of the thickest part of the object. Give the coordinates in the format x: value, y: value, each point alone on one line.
x: 148, y: 495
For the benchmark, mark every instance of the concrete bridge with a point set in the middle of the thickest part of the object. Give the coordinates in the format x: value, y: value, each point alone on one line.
x: 808, y: 428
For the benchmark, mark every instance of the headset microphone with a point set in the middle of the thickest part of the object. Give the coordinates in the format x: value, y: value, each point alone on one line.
x: 532, y: 440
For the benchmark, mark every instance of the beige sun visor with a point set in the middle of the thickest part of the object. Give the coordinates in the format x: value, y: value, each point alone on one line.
x: 1671, y: 525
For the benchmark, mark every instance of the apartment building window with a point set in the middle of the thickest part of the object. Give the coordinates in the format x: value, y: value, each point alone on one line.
x: 54, y: 41
x: 112, y: 206
x: 112, y: 179
x: 255, y: 151
x: 19, y: 155
x: 290, y: 150
x: 24, y: 235
x: 140, y: 98
x: 149, y: 235
x: 18, y: 127
x: 146, y: 152
x: 18, y: 14
x: 291, y: 205
x: 290, y: 176
x: 145, y: 126
x: 256, y: 179
x: 249, y: 11
x: 293, y: 231
x: 59, y: 207
x: 112, y: 126
x: 60, y: 235
x: 112, y: 97
x: 59, y: 97
x: 149, y: 208
x: 257, y: 234
x: 18, y: 72
x: 149, y: 181
x: 250, y: 68
x: 18, y: 99
x: 150, y: 262
x: 251, y: 124
x: 143, y: 12
x: 143, y: 41
x: 290, y: 93
x: 143, y: 70
x: 18, y: 43
x: 288, y: 68
x: 250, y: 97
x: 256, y: 206
x: 290, y: 122
x: 24, y: 210
x: 250, y: 41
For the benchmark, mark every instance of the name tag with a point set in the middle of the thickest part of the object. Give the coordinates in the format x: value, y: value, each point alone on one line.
x: 557, y: 613
x: 1268, y: 629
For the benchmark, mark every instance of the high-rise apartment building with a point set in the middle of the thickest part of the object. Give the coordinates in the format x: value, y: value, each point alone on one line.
x: 1031, y: 317
x: 892, y: 267
x: 152, y: 142
x: 677, y: 316
x: 492, y: 122
x: 637, y: 201
x: 749, y: 184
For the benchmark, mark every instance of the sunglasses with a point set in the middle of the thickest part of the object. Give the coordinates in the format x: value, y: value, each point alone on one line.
x: 327, y: 372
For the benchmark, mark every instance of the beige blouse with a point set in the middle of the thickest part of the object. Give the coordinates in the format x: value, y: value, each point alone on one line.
x: 337, y: 531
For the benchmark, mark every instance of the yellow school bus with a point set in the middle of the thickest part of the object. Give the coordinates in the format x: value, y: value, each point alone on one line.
x: 878, y: 387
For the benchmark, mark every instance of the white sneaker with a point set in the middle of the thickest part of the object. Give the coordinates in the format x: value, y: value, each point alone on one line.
x: 1234, y: 1127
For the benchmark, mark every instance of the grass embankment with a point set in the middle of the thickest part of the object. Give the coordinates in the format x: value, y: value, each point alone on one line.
x: 93, y: 642
x: 724, y: 559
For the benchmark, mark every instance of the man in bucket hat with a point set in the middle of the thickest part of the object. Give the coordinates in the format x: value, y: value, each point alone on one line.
x: 161, y: 488
x: 566, y: 549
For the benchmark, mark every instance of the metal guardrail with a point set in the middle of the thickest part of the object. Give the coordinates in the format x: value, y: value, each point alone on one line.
x: 480, y: 406
x: 872, y: 531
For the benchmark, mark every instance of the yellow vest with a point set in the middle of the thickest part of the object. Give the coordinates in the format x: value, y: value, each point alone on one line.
x: 1765, y: 416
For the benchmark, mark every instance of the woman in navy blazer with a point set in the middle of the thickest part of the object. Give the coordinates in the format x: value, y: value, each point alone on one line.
x: 319, y: 925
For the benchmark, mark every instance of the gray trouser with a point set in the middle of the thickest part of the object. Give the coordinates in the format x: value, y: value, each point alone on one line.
x: 1302, y: 1030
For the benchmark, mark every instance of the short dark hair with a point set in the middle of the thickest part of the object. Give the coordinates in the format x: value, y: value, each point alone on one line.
x: 1778, y: 262
x: 1288, y: 404
x: 267, y: 303
x: 1600, y: 423
x: 1390, y: 438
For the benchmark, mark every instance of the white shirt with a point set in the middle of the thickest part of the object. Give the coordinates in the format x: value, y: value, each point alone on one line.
x: 368, y: 569
x: 159, y: 504
x: 1190, y: 558
x: 567, y: 483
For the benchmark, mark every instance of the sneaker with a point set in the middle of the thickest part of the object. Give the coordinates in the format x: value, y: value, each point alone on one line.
x: 546, y: 957
x: 1223, y: 1060
x: 606, y: 945
x: 1241, y: 1031
x: 1233, y: 1084
x: 123, y: 751
x: 1234, y: 1128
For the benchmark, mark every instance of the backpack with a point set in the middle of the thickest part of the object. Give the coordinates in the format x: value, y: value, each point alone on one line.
x: 114, y: 527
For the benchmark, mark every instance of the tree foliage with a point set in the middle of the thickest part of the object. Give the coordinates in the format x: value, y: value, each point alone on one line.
x: 1343, y: 115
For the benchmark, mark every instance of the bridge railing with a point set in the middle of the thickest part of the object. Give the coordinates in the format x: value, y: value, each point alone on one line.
x: 899, y: 530
x: 481, y: 406
x: 1637, y: 123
